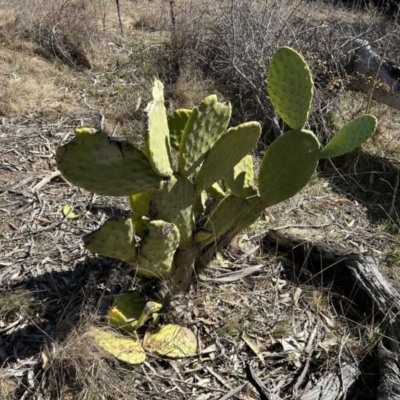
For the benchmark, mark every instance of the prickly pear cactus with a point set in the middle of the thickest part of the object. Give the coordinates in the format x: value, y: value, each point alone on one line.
x: 157, y: 146
x: 350, y: 136
x: 115, y: 239
x: 241, y: 178
x: 287, y: 166
x: 228, y: 150
x: 158, y: 249
x: 290, y: 87
x: 101, y: 165
x: 191, y: 187
x: 204, y: 127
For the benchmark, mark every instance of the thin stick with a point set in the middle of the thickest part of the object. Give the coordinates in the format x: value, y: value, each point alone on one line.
x: 233, y: 392
x: 392, y: 207
x: 46, y: 180
x: 119, y: 18
x: 307, y: 363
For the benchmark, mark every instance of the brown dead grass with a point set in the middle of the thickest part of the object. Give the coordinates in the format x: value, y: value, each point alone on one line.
x: 29, y: 86
x: 76, y: 367
x: 8, y: 386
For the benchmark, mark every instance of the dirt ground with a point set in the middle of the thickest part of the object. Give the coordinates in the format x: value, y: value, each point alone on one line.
x: 253, y: 306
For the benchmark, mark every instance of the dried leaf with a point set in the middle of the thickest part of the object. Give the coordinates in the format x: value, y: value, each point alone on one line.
x: 234, y: 276
x: 69, y: 212
x: 294, y: 349
x: 253, y: 346
x: 296, y: 297
x: 45, y: 360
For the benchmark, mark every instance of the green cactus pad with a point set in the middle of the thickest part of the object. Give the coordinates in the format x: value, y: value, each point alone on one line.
x: 226, y: 153
x: 350, y: 136
x: 140, y: 203
x: 115, y: 239
x: 131, y: 310
x: 174, y: 203
x: 231, y: 214
x: 126, y: 311
x: 222, y: 218
x: 203, y: 128
x: 241, y: 177
x: 176, y: 124
x: 290, y: 87
x: 157, y: 147
x: 287, y: 166
x: 158, y: 249
x: 140, y: 226
x: 101, y: 165
x: 216, y: 192
x: 252, y: 210
x: 200, y: 204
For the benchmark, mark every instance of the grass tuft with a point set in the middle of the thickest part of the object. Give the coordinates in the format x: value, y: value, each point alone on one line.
x: 11, y: 303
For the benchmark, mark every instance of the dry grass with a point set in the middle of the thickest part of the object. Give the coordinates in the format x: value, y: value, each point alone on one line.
x: 29, y: 87
x: 16, y: 303
x: 77, y: 368
x: 48, y: 89
x: 8, y: 386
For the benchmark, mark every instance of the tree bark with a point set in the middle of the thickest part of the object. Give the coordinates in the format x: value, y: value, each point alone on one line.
x: 334, y: 386
x: 363, y: 68
x: 359, y: 277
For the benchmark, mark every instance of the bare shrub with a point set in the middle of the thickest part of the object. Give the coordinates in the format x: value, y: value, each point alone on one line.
x: 64, y: 29
x: 232, y: 42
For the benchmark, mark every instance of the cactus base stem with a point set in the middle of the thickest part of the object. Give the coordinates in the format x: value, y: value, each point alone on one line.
x: 182, y: 273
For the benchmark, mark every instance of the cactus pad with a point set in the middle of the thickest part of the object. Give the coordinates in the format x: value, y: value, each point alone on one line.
x: 140, y: 203
x: 130, y: 311
x: 226, y: 153
x: 140, y: 226
x: 200, y: 205
x: 115, y: 239
x: 158, y: 249
x: 100, y: 165
x: 123, y: 349
x: 252, y: 210
x: 290, y: 87
x: 174, y: 203
x: 216, y: 192
x: 172, y: 341
x: 287, y: 166
x: 157, y: 147
x: 350, y: 136
x: 203, y: 128
x: 231, y: 214
x: 126, y: 311
x: 241, y: 177
x: 176, y: 124
x: 222, y: 218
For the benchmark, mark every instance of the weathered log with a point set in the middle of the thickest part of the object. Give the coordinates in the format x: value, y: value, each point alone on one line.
x: 362, y: 68
x: 334, y: 385
x: 359, y: 277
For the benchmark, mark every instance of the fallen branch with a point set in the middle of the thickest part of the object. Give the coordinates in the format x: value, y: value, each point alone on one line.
x: 363, y: 69
x: 359, y: 277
